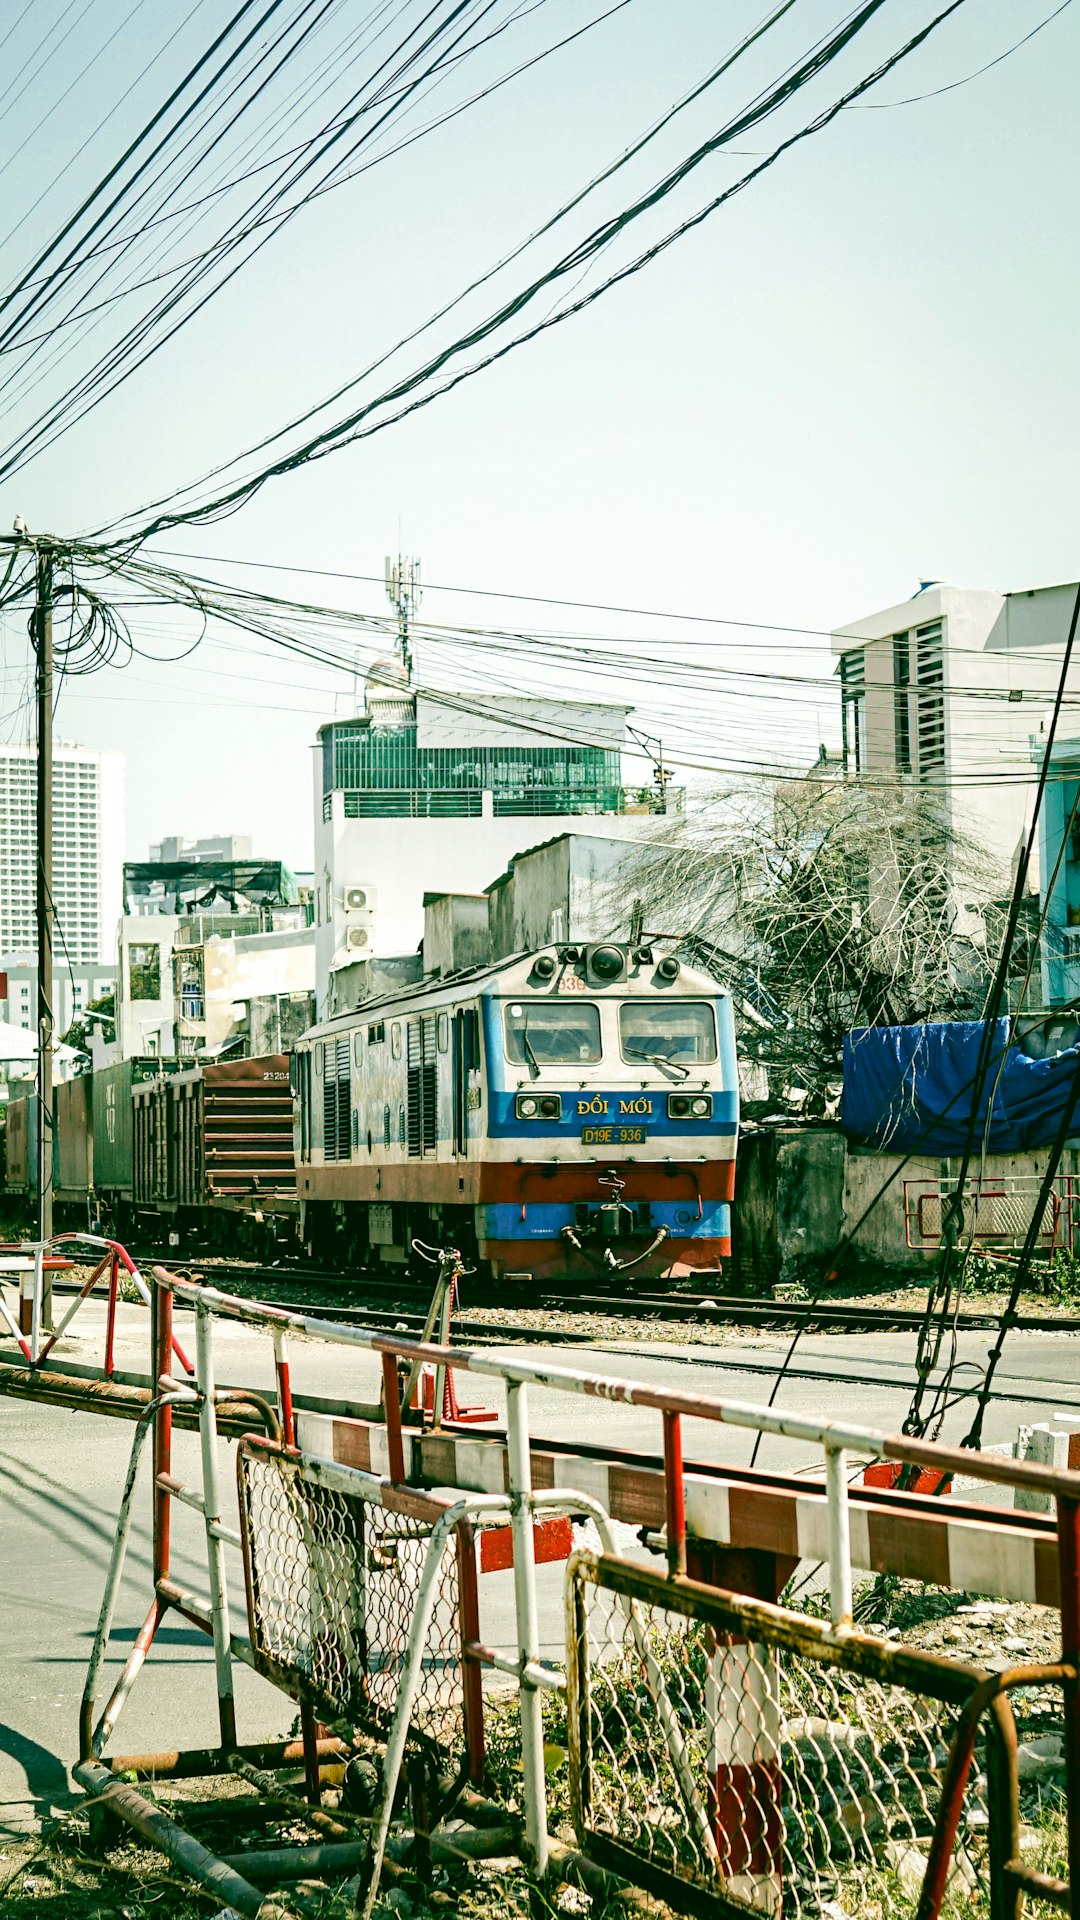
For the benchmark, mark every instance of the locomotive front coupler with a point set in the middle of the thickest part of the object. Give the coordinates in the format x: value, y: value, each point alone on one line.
x: 609, y: 1264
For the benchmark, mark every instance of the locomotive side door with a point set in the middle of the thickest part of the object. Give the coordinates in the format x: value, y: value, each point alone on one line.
x: 460, y: 1078
x: 465, y: 1058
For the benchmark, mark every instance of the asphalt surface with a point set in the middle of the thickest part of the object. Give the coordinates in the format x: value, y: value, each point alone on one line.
x: 63, y: 1474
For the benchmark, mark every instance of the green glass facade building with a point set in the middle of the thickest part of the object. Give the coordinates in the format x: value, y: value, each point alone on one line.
x: 385, y: 773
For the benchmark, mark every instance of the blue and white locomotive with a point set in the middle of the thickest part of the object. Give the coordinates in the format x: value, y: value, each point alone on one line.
x: 562, y: 1113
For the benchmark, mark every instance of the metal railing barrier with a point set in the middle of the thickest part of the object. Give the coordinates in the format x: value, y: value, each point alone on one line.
x: 726, y: 1753
x: 800, y: 1771
x: 997, y: 1212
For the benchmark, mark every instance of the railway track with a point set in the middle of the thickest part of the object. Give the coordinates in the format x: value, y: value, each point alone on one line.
x: 391, y: 1301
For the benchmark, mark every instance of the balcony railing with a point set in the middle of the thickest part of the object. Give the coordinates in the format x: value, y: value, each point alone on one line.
x: 457, y: 803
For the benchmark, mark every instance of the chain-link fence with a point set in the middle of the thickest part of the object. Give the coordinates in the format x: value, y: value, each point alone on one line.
x: 793, y: 1776
x: 331, y: 1582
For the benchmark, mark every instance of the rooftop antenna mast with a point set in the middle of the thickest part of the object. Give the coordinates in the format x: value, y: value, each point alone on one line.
x: 404, y: 594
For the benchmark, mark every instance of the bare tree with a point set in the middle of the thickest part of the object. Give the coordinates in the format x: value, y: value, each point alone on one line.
x: 828, y: 904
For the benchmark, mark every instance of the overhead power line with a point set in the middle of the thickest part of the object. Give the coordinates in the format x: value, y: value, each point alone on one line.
x: 444, y: 36
x: 935, y: 93
x: 469, y: 681
x: 420, y: 388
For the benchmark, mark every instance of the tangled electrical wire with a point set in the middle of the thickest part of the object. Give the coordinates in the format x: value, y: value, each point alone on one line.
x: 90, y: 629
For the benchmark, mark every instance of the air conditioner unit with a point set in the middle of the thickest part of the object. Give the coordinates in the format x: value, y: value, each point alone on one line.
x: 358, y: 937
x: 359, y: 899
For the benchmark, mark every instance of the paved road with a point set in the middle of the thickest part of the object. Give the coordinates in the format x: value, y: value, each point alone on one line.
x: 62, y: 1475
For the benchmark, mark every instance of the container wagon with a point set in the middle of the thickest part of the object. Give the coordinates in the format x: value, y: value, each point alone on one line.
x: 213, y: 1147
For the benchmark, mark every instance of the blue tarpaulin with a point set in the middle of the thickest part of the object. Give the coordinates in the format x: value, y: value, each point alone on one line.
x: 908, y: 1087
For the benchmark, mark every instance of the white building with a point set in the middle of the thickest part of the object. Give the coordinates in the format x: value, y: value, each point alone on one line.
x: 953, y: 690
x: 74, y: 988
x: 88, y: 850
x: 200, y: 940
x: 427, y: 794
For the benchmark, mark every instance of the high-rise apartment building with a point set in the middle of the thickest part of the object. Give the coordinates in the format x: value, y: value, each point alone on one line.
x: 88, y: 851
x: 951, y: 692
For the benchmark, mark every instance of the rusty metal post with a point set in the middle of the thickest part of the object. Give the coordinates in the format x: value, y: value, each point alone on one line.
x: 1068, y: 1520
x: 1003, y: 1832
x: 110, y: 1318
x: 309, y: 1731
x: 394, y: 1442
x: 160, y: 1361
x: 840, y: 1597
x: 421, y: 1814
x: 472, y: 1680
x: 950, y: 1806
x: 674, y: 1498
x: 530, y: 1706
x: 215, y: 1541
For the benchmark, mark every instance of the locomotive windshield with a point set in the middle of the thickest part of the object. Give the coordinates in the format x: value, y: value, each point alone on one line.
x: 671, y: 1032
x: 552, y: 1034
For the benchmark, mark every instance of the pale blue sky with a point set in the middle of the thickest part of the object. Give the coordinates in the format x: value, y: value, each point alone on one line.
x: 860, y: 374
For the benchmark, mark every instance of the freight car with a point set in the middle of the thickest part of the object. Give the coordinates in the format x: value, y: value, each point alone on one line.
x: 20, y: 1147
x: 209, y: 1149
x: 214, y: 1147
x: 568, y: 1112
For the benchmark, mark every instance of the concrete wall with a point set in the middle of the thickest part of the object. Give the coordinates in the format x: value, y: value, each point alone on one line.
x: 401, y: 860
x: 252, y: 966
x: 800, y: 1190
x: 568, y: 889
x: 519, y: 720
x: 789, y: 1199
x: 371, y: 977
x: 455, y: 932
x: 276, y: 1021
x: 883, y: 1240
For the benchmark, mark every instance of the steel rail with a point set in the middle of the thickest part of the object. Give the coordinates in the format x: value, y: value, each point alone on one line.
x: 830, y: 1434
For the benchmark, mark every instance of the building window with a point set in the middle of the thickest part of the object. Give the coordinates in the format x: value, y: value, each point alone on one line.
x: 144, y: 972
x: 901, y: 655
x: 853, y: 710
x: 930, y: 696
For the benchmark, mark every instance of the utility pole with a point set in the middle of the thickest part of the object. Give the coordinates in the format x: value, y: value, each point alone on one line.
x: 43, y: 656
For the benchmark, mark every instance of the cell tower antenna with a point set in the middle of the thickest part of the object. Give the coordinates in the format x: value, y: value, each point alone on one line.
x: 404, y: 594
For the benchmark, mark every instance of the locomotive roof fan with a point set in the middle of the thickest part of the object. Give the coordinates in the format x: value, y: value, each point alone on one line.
x: 605, y: 963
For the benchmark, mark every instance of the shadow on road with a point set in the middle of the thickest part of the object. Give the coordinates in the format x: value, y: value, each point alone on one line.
x: 46, y: 1781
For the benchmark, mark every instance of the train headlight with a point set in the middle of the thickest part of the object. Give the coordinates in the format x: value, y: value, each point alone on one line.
x: 538, y: 1106
x: 689, y: 1106
x: 606, y: 963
